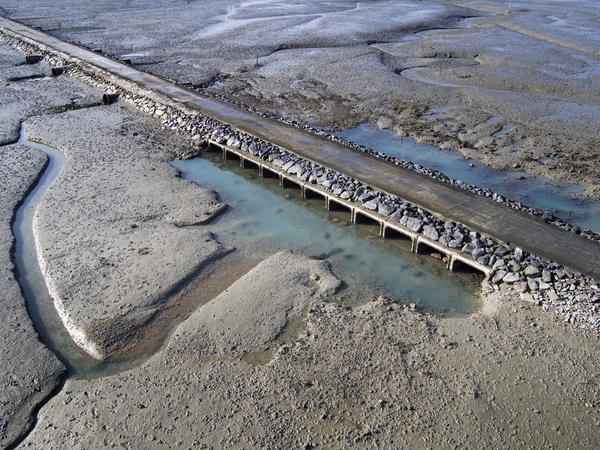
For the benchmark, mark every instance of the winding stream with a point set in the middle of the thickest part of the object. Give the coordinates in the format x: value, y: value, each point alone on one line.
x: 40, y: 305
x: 262, y: 218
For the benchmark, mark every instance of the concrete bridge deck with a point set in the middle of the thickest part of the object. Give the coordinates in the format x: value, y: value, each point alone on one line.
x: 478, y: 213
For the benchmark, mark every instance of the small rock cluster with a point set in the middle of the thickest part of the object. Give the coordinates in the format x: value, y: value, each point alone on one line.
x: 541, y: 282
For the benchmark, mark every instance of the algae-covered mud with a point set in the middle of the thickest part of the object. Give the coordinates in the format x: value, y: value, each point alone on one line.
x: 279, y: 357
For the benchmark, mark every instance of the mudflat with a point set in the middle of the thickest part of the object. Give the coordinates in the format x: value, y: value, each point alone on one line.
x: 30, y: 372
x: 513, y: 85
x: 277, y: 359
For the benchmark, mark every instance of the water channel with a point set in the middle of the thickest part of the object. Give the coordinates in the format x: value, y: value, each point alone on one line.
x: 534, y: 191
x: 262, y: 218
x: 40, y: 305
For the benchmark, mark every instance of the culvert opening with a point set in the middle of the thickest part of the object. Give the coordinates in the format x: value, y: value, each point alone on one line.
x: 425, y: 249
x: 391, y: 233
x: 231, y: 156
x: 365, y: 220
x: 248, y: 164
x: 337, y: 206
x: 213, y: 147
x: 289, y: 184
x: 109, y: 99
x: 310, y: 195
x: 56, y: 71
x: 459, y: 267
x: 268, y: 173
x: 33, y: 59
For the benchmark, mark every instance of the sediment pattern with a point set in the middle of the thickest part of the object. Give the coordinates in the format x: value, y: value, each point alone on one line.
x: 571, y: 295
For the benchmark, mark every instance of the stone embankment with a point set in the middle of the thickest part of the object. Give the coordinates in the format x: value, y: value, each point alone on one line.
x: 548, y: 216
x: 571, y: 295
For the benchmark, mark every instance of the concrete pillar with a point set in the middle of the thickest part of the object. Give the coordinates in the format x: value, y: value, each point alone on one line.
x: 415, y: 244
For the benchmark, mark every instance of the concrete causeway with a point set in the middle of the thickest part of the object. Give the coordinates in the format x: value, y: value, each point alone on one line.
x: 479, y: 213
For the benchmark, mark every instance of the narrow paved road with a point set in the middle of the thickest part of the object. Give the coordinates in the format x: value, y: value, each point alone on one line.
x: 479, y: 213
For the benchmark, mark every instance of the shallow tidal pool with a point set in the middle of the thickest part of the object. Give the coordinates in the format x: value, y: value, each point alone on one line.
x: 263, y: 217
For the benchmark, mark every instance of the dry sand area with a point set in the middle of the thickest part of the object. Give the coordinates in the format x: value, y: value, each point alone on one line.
x: 276, y: 360
x: 452, y: 73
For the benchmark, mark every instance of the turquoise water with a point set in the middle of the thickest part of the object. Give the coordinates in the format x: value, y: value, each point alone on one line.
x: 263, y: 218
x: 532, y: 191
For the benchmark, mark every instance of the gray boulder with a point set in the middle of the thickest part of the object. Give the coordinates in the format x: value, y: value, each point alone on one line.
x: 511, y: 277
x: 531, y: 271
x: 431, y: 232
x: 397, y: 216
x: 414, y: 224
x: 455, y: 244
x: 371, y: 204
x: 366, y: 196
x: 478, y: 252
x: 386, y: 209
x: 445, y: 239
x: 532, y: 284
x: 468, y: 248
x: 498, y: 276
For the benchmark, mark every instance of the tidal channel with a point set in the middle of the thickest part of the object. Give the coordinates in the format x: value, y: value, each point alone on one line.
x: 263, y: 217
x: 40, y: 305
x: 533, y: 191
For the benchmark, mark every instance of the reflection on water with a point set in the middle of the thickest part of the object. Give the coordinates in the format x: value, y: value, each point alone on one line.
x: 263, y: 217
x: 533, y: 191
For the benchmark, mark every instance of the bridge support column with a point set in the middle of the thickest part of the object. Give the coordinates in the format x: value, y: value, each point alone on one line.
x: 415, y: 244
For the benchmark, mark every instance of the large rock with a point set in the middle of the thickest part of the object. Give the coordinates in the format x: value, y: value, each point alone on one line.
x: 431, y: 232
x: 532, y: 271
x: 511, y: 277
x: 414, y: 224
x: 372, y: 204
x: 386, y: 209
